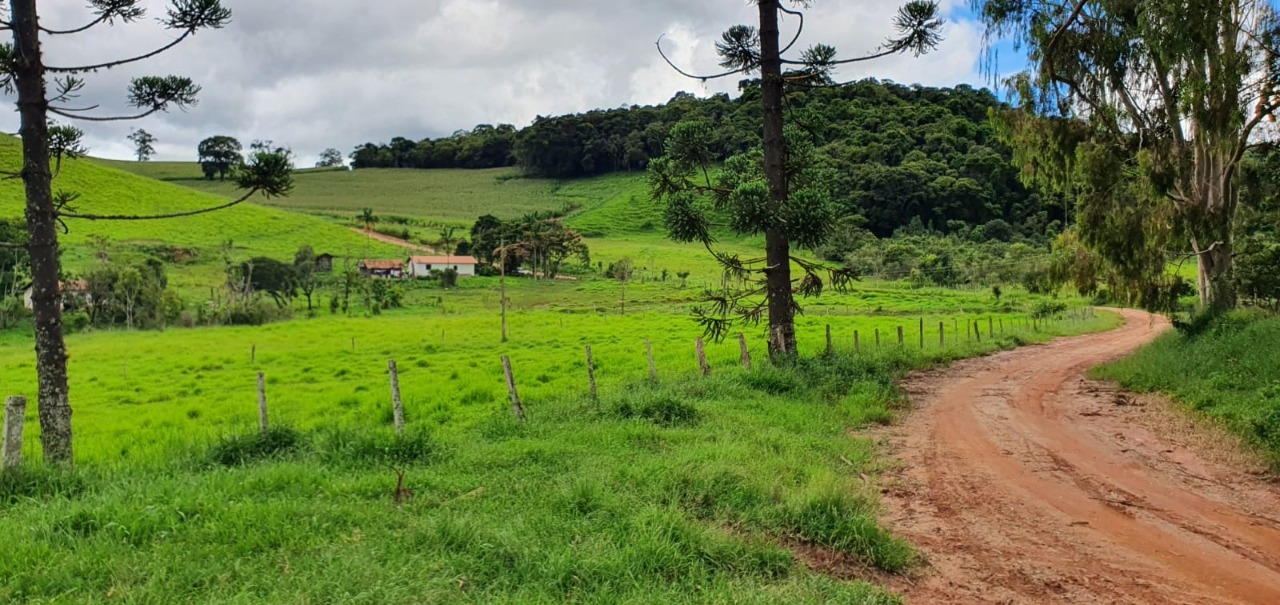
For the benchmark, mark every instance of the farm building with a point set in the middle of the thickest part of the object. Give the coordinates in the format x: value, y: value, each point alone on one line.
x: 422, y: 266
x: 387, y: 268
x: 324, y: 263
x: 76, y: 289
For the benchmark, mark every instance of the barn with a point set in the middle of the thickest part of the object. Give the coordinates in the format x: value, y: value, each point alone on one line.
x: 385, y: 268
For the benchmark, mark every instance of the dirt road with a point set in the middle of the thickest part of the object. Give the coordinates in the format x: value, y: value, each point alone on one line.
x: 389, y: 239
x: 1025, y: 482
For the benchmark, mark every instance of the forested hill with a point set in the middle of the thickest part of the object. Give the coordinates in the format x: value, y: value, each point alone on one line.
x: 901, y: 153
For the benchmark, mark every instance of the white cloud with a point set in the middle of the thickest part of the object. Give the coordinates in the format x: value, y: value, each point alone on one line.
x: 334, y: 73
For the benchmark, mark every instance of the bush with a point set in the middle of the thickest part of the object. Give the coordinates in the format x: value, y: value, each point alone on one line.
x: 244, y: 449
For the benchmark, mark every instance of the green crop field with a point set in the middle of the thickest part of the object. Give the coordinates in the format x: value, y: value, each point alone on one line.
x: 451, y: 196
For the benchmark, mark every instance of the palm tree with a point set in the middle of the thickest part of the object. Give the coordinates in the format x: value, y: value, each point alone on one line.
x: 448, y: 240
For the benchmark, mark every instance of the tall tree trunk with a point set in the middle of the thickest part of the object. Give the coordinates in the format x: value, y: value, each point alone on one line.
x: 777, y: 244
x: 1216, y: 291
x: 1213, y: 241
x: 51, y: 351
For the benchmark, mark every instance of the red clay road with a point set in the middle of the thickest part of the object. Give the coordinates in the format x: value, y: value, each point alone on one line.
x: 1024, y: 482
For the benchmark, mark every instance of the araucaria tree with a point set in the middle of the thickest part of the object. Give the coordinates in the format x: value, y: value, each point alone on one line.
x: 776, y: 190
x: 1144, y: 110
x: 23, y: 71
x: 144, y: 144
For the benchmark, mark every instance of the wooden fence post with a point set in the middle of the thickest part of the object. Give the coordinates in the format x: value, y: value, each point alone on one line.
x: 942, y: 334
x: 746, y: 354
x: 516, y: 407
x: 653, y: 368
x: 253, y: 354
x: 830, y: 348
x: 591, y: 375
x: 922, y: 333
x: 990, y: 326
x: 262, y: 403
x: 877, y: 339
x: 702, y: 357
x: 1002, y: 325
x: 968, y: 330
x: 977, y: 330
x: 397, y: 407
x: 901, y: 342
x: 15, y: 414
x: 857, y: 346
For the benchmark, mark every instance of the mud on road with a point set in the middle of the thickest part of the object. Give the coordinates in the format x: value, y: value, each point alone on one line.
x: 1022, y: 481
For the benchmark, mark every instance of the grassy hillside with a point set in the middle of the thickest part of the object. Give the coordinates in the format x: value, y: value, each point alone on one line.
x: 1229, y: 372
x: 453, y: 196
x: 614, y: 212
x: 254, y: 229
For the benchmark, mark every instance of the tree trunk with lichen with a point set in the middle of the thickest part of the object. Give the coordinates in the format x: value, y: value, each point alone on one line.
x: 777, y: 244
x: 1211, y: 222
x: 42, y: 227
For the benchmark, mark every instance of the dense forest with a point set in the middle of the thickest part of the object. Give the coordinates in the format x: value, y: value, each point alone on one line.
x: 903, y: 154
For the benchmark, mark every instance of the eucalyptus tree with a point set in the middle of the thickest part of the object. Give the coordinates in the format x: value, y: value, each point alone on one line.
x: 1144, y: 110
x: 775, y: 190
x: 44, y: 90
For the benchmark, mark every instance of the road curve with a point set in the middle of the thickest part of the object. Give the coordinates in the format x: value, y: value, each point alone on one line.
x: 1024, y: 482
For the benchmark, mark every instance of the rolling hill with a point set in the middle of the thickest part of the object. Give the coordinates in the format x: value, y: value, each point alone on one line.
x: 253, y: 229
x: 614, y: 212
x: 450, y: 196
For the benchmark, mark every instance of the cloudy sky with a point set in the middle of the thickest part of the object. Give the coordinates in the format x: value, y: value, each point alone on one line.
x: 313, y: 74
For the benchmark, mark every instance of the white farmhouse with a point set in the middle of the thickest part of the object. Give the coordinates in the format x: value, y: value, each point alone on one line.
x: 422, y: 266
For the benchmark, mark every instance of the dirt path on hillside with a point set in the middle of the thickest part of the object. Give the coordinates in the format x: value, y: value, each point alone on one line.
x: 1024, y: 482
x: 388, y: 239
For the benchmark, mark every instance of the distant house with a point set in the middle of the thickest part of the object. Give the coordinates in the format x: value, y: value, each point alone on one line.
x: 385, y: 268
x: 324, y: 263
x: 72, y: 289
x: 422, y: 266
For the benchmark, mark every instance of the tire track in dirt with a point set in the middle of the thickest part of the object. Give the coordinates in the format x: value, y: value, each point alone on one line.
x: 1024, y: 482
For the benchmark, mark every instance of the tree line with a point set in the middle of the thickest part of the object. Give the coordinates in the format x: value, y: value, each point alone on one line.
x: 897, y: 152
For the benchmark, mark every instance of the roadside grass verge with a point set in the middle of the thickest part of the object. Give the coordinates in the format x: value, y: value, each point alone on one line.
x: 1228, y: 371
x: 680, y: 491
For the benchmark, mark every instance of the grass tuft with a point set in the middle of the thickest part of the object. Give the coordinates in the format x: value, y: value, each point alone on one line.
x: 278, y: 441
x: 39, y: 483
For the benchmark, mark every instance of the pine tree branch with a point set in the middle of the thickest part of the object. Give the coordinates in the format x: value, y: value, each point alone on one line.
x: 64, y: 32
x: 686, y: 74
x: 151, y: 217
x: 120, y: 62
x: 69, y: 113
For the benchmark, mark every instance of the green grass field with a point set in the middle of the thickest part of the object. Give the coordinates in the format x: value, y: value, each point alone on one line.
x: 254, y: 229
x: 1230, y: 373
x: 687, y: 489
x: 691, y: 490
